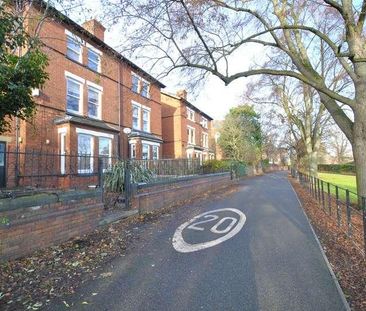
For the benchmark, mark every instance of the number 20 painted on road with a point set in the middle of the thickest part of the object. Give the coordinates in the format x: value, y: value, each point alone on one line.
x: 232, y: 228
x: 214, y: 228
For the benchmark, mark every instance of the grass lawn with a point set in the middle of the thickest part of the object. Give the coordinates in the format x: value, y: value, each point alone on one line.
x: 344, y: 181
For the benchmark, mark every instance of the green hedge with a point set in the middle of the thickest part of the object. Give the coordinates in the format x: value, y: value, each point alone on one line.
x: 348, y: 168
x: 215, y: 166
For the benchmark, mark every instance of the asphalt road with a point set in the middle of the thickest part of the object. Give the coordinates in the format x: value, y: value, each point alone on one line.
x: 272, y: 263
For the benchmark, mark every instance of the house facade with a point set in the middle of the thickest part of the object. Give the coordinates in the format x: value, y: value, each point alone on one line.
x: 186, y: 129
x: 96, y: 102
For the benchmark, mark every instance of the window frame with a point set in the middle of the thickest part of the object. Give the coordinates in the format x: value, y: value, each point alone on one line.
x: 142, y: 151
x: 99, y: 91
x: 155, y: 148
x: 77, y: 41
x: 91, y: 156
x: 140, y: 86
x: 133, y: 75
x: 133, y: 151
x: 145, y: 110
x: 190, y: 128
x: 190, y: 114
x: 62, y: 132
x: 81, y: 89
x: 109, y: 157
x: 204, y: 122
x: 205, y: 140
x: 138, y: 107
x: 147, y: 84
x: 92, y: 50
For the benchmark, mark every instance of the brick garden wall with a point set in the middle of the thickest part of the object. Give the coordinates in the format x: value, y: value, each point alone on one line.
x: 34, y: 222
x: 160, y: 196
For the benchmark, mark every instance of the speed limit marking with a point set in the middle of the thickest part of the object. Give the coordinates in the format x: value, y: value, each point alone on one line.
x: 229, y: 226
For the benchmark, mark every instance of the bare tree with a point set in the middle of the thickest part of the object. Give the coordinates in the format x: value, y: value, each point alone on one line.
x: 338, y: 145
x: 203, y: 34
x: 299, y: 106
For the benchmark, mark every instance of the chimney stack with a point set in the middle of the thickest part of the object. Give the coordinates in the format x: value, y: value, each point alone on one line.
x: 95, y: 28
x: 182, y: 94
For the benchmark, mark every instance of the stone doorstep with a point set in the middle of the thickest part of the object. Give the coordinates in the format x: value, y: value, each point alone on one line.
x: 109, y: 217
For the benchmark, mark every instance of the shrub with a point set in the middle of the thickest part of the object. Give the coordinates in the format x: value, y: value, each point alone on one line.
x: 239, y: 168
x: 115, y: 178
x: 215, y: 166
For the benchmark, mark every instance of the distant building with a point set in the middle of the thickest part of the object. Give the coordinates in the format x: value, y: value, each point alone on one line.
x: 187, y: 131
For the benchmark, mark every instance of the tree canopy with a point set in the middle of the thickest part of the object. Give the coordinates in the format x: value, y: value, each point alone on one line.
x: 240, y: 135
x: 22, y: 68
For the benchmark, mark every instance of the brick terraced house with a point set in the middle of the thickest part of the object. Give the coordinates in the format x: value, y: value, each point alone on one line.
x: 92, y: 95
x: 186, y: 129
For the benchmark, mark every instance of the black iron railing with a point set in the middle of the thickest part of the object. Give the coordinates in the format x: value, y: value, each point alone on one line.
x: 347, y: 208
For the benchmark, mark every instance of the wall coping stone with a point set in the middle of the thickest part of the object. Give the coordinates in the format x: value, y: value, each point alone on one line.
x: 181, y: 179
x: 47, y: 198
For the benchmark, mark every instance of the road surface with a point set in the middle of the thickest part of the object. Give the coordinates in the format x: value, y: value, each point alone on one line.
x: 256, y: 253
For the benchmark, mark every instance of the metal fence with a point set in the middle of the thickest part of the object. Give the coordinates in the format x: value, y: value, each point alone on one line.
x: 170, y: 168
x: 346, y: 207
x: 30, y: 170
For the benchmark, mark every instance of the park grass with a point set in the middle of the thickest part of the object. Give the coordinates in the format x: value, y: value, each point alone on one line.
x: 343, y: 181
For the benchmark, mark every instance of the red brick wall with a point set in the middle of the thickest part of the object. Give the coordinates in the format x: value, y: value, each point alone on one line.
x: 161, y: 196
x: 33, y: 228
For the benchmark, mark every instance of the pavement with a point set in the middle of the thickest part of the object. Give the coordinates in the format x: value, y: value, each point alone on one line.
x: 258, y: 252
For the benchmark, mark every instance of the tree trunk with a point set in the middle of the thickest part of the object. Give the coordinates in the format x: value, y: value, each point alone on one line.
x: 313, y: 163
x: 359, y: 150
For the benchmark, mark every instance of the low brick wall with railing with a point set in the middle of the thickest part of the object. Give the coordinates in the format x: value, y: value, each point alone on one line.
x: 33, y: 222
x: 156, y: 196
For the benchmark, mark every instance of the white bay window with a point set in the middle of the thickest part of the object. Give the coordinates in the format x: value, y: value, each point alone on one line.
x: 133, y: 151
x: 155, y: 153
x: 145, y: 151
x: 105, y: 151
x: 85, y: 154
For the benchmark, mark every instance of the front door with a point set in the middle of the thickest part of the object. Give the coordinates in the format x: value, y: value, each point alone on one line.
x: 2, y: 165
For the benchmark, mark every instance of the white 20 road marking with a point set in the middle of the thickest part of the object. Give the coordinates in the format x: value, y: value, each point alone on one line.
x: 182, y: 246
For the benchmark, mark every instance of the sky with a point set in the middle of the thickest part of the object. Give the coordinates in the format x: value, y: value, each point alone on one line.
x: 213, y: 97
